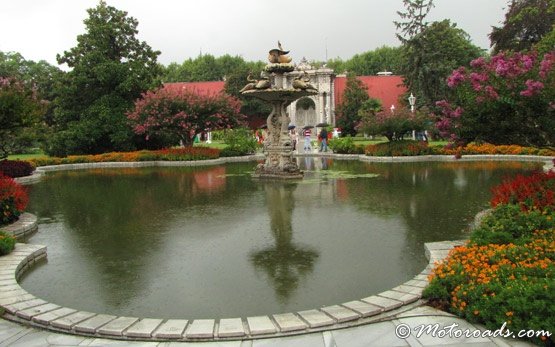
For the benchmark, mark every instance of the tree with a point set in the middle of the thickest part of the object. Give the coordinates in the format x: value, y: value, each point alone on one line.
x: 414, y: 24
x: 354, y: 96
x: 169, y: 116
x: 250, y: 107
x: 507, y: 99
x: 392, y: 125
x: 20, y: 111
x: 371, y: 62
x: 526, y: 22
x: 431, y: 56
x: 110, y: 68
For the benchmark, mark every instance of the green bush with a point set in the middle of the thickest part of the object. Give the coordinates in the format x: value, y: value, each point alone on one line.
x: 239, y: 142
x: 398, y: 148
x: 7, y: 243
x: 510, y: 224
x: 345, y: 145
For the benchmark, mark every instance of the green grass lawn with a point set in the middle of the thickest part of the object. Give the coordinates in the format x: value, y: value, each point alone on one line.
x: 361, y: 141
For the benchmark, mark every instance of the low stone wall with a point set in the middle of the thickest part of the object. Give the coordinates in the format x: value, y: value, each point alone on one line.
x: 20, y: 306
x: 23, y: 228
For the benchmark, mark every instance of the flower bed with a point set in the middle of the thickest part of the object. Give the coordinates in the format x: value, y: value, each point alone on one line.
x: 506, y: 273
x: 171, y: 154
x: 13, y: 200
x: 486, y: 148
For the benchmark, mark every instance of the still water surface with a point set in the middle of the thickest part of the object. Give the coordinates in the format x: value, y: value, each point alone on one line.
x: 212, y: 242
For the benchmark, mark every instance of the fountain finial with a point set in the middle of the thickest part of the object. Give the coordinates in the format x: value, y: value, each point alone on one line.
x: 279, y: 55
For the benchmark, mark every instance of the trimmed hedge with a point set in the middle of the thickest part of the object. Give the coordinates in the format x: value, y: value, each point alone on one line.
x: 15, y: 168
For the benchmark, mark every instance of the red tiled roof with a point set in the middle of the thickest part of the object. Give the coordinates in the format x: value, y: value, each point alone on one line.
x: 388, y: 89
x: 211, y: 87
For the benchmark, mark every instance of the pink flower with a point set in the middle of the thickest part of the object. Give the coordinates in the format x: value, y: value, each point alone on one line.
x: 533, y: 87
x: 456, y: 77
x: 478, y: 62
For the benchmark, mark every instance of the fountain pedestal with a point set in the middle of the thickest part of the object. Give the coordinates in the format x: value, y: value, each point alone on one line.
x: 273, y: 89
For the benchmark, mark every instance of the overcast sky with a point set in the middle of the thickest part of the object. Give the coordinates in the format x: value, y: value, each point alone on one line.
x: 181, y: 29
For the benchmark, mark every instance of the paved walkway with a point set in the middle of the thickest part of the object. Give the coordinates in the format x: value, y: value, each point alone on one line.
x: 375, y: 334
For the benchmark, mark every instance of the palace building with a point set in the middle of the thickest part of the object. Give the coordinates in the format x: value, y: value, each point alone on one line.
x: 320, y: 108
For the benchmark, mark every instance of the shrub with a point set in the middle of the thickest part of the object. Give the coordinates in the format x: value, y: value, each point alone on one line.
x: 7, y: 243
x: 510, y: 224
x: 398, y: 148
x: 15, y: 168
x: 239, y: 142
x: 507, y: 271
x: 529, y: 192
x: 494, y: 284
x: 345, y: 145
x: 487, y: 148
x: 13, y: 200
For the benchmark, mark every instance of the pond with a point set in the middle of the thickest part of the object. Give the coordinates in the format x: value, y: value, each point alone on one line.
x: 211, y: 242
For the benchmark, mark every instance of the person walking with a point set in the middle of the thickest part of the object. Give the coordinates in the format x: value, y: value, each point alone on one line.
x: 306, y: 133
x: 323, y: 140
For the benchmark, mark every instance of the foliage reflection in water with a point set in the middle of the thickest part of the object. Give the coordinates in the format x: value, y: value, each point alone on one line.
x: 212, y: 242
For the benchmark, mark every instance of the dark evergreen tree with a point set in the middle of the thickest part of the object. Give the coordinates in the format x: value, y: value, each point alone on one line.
x: 414, y: 15
x: 110, y: 68
x: 354, y: 97
x: 526, y: 23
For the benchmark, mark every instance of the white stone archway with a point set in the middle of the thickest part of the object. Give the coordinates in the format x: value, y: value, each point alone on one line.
x: 323, y: 79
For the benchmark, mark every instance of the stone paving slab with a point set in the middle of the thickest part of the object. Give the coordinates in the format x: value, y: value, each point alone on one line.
x: 363, y: 308
x: 35, y: 311
x: 261, y: 325
x: 316, y: 318
x: 231, y: 327
x: 171, y: 329
x: 117, y: 326
x: 47, y: 317
x: 69, y: 321
x: 94, y: 323
x: 341, y: 314
x: 405, y: 298
x: 24, y: 305
x: 289, y: 322
x: 201, y: 329
x: 403, y: 288
x: 386, y: 303
x: 417, y: 283
x: 143, y: 328
x: 15, y: 299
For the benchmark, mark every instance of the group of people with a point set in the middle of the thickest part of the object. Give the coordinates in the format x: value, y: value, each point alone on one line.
x: 307, y: 134
x: 322, y: 138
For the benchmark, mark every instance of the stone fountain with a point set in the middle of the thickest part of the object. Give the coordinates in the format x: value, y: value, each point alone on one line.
x: 274, y: 88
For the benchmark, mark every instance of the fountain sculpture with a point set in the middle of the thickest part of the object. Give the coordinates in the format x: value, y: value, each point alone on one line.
x: 275, y: 89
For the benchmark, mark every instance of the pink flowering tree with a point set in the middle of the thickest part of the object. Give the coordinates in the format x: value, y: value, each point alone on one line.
x: 507, y: 99
x: 168, y: 116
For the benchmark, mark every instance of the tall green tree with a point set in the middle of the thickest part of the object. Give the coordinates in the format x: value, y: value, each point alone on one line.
x: 40, y: 77
x: 20, y: 111
x: 110, y: 68
x: 255, y: 110
x: 412, y: 19
x: 353, y: 99
x: 204, y: 68
x: 370, y: 63
x: 431, y: 56
x: 526, y: 23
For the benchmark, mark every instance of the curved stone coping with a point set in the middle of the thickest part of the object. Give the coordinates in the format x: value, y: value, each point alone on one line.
x: 39, y: 172
x: 35, y: 177
x: 21, y: 306
x: 23, y: 228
